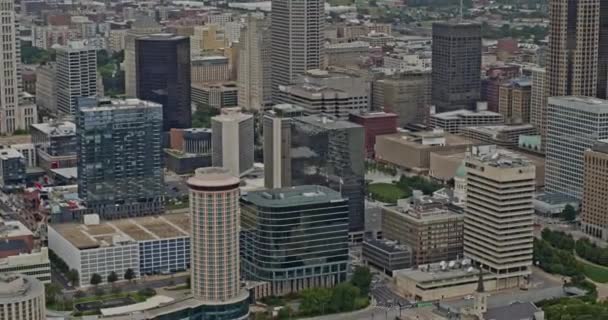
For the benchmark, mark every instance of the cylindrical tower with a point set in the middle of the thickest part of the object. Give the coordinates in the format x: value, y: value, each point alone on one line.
x: 214, y: 237
x: 21, y: 298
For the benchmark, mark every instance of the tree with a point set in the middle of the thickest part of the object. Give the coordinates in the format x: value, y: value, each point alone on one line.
x: 95, y: 279
x: 73, y: 277
x: 51, y: 291
x: 129, y: 274
x: 362, y: 278
x: 112, y: 277
x: 569, y: 214
x: 344, y: 296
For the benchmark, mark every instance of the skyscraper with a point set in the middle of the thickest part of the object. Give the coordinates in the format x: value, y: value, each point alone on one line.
x: 312, y: 251
x: 254, y: 76
x: 602, y: 76
x: 163, y: 76
x: 594, y: 218
x: 14, y: 113
x: 120, y: 170
x: 232, y: 142
x: 572, y: 61
x: 278, y: 124
x: 498, y: 230
x: 143, y: 25
x: 297, y: 40
x: 76, y: 76
x: 456, y: 74
x: 330, y: 152
x: 214, y: 243
x: 574, y: 124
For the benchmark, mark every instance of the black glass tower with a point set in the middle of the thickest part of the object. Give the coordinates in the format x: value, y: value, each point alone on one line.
x: 162, y: 64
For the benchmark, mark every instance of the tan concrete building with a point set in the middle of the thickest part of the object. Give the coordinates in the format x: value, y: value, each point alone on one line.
x: 412, y: 150
x: 346, y: 54
x: 498, y: 230
x: 207, y: 38
x: 427, y: 226
x: 254, y: 68
x: 144, y: 25
x: 437, y: 282
x: 538, y: 99
x: 210, y: 69
x: 594, y: 214
x: 514, y: 100
x: 350, y: 33
x: 501, y: 135
x: 21, y: 298
x: 408, y: 94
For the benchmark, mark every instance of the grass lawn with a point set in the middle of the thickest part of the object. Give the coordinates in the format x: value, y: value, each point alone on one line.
x: 596, y: 273
x: 386, y: 192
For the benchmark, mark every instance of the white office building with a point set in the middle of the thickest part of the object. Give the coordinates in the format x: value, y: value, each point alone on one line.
x: 76, y: 76
x: 232, y: 142
x: 574, y: 124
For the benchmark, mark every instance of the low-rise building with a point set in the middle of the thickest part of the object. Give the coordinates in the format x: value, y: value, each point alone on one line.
x: 428, y: 226
x: 444, y: 280
x: 375, y: 124
x: 551, y: 204
x: 55, y: 143
x: 386, y: 255
x: 210, y: 69
x: 15, y: 237
x: 215, y: 94
x: 346, y: 54
x: 455, y: 121
x: 35, y: 264
x: 21, y: 298
x: 146, y: 245
x: 12, y: 169
x: 501, y: 135
x: 412, y: 150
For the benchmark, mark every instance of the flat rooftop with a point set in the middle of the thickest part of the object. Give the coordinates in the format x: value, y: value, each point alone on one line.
x: 13, y: 228
x: 582, y: 103
x: 373, y: 115
x: 388, y: 246
x: 9, y: 153
x: 556, y: 198
x: 414, y: 139
x: 434, y: 272
x: 327, y: 122
x: 161, y: 37
x: 293, y: 196
x: 493, y: 130
x: 56, y: 129
x: 232, y: 116
x: 135, y: 229
x: 457, y: 114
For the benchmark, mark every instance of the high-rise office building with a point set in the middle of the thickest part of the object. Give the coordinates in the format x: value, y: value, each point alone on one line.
x: 514, y: 100
x: 498, y: 225
x: 574, y: 124
x: 572, y: 61
x: 408, y: 94
x: 594, y: 218
x: 277, y: 144
x: 538, y: 100
x: 120, y: 170
x: 297, y: 40
x: 311, y: 252
x: 214, y: 242
x: 456, y: 74
x: 143, y: 25
x: 15, y: 112
x: 162, y: 66
x: 76, y: 76
x: 254, y: 76
x: 602, y: 76
x: 232, y: 142
x: 331, y: 153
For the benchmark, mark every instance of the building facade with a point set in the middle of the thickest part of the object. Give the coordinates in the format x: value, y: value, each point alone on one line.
x: 56, y: 144
x: 514, y: 100
x: 76, y: 76
x: 407, y: 94
x: 297, y: 40
x: 12, y: 169
x: 329, y: 93
x: 498, y: 226
x: 35, y: 264
x: 216, y: 95
x: 162, y: 65
x: 387, y: 256
x: 278, y: 124
x: 254, y: 72
x: 311, y: 252
x: 456, y: 75
x: 375, y: 124
x: 120, y: 169
x: 215, y: 269
x: 232, y: 142
x: 46, y: 87
x: 21, y: 298
x: 210, y: 68
x: 331, y: 153
x: 574, y: 124
x: 143, y: 25
x: 594, y: 218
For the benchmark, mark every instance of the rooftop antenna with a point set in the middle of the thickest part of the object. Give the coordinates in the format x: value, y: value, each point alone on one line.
x: 461, y: 3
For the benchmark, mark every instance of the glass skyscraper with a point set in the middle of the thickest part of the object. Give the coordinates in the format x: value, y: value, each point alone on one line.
x: 294, y: 238
x: 331, y: 153
x: 162, y: 65
x: 120, y: 171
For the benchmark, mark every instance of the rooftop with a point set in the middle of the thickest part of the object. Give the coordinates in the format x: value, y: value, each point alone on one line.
x: 415, y: 139
x: 442, y: 271
x: 601, y: 146
x: 589, y: 104
x: 232, y: 116
x: 499, y: 158
x: 56, y: 128
x: 161, y: 37
x: 9, y: 153
x: 346, y: 45
x: 292, y: 196
x: 9, y: 229
x: 107, y: 233
x: 327, y: 122
x: 493, y: 130
x: 457, y: 114
x: 377, y: 114
x: 387, y: 245
x: 212, y: 177
x: 15, y: 287
x: 556, y: 198
x: 104, y: 104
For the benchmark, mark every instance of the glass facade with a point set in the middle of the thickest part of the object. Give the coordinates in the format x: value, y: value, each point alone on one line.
x: 164, y: 255
x: 331, y: 153
x: 120, y: 169
x: 163, y: 76
x: 233, y: 311
x: 294, y: 234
